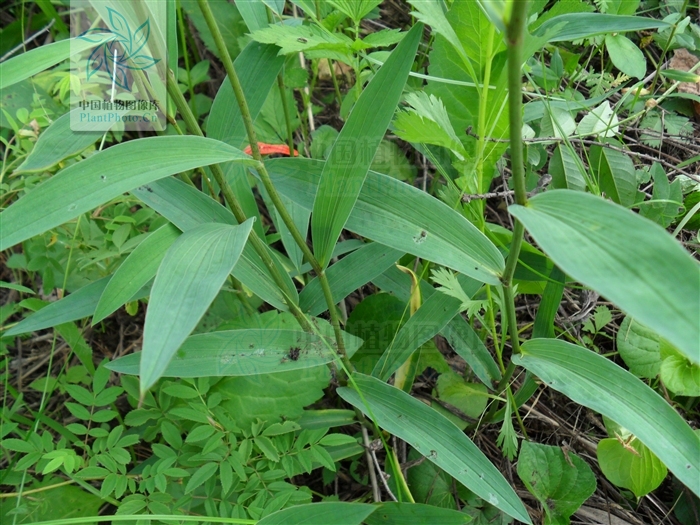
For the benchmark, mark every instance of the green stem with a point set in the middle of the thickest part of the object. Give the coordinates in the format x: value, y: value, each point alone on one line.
x: 257, y: 243
x: 262, y: 170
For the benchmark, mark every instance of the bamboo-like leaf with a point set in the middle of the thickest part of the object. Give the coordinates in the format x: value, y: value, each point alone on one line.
x: 393, y: 513
x: 436, y: 438
x: 37, y: 60
x: 335, y: 512
x: 574, y: 26
x: 353, y: 151
x: 243, y: 353
x: 188, y: 279
x: 433, y: 315
x: 136, y: 271
x: 630, y: 260
x: 187, y: 208
x: 596, y: 382
x: 58, y: 142
x: 348, y: 274
x: 83, y: 186
x: 402, y: 217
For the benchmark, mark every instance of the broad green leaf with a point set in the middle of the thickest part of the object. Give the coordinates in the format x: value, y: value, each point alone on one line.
x: 335, y: 512
x: 666, y: 201
x: 599, y: 384
x: 630, y: 260
x: 32, y: 62
x: 626, y: 56
x: 400, y: 216
x: 436, y: 438
x: 188, y: 208
x: 56, y: 143
x: 136, y: 271
x: 470, y: 398
x: 355, y: 9
x: 242, y: 353
x: 615, y: 174
x: 404, y: 513
x: 458, y: 333
x: 679, y: 375
x: 567, y: 171
x: 557, y: 123
x: 351, y: 156
x: 574, y: 26
x: 191, y: 274
x: 631, y: 466
x: 433, y: 315
x: 639, y: 348
x: 276, y: 5
x: 348, y: 274
x: 230, y: 19
x: 560, y: 481
x: 257, y: 66
x: 104, y: 176
x: 601, y: 121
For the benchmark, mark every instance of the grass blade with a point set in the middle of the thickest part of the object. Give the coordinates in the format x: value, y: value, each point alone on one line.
x: 104, y: 176
x: 188, y: 279
x: 342, y: 177
x: 136, y: 271
x: 630, y: 260
x: 437, y: 438
x: 596, y: 382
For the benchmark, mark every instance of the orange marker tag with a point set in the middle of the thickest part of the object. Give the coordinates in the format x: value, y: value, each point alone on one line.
x: 271, y: 149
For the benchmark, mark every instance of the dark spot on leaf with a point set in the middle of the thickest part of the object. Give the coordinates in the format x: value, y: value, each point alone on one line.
x: 302, y: 40
x: 294, y: 353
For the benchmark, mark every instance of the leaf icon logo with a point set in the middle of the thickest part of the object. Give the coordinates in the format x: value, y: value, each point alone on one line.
x: 120, y: 53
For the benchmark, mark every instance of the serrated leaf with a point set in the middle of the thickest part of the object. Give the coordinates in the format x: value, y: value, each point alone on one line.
x: 638, y: 470
x: 343, y: 176
x: 296, y: 39
x: 436, y: 438
x: 429, y: 123
x: 201, y: 475
x: 191, y: 274
x: 623, y: 257
x: 597, y: 383
x: 560, y: 481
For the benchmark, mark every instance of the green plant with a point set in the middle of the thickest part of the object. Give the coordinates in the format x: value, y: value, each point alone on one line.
x: 216, y: 425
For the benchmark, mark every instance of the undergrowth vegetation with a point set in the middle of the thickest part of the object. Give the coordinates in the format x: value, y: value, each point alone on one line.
x: 401, y: 261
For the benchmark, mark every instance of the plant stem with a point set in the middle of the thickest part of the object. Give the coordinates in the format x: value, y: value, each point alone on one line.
x: 287, y: 116
x: 515, y: 30
x: 265, y: 176
x: 257, y: 243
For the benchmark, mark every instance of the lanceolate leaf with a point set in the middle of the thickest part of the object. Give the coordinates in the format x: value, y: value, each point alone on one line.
x: 56, y: 143
x: 574, y: 26
x: 37, y: 60
x: 187, y: 208
x: 351, y: 155
x: 596, y: 382
x: 188, y: 279
x: 630, y: 260
x: 104, y: 176
x: 136, y: 271
x: 402, y: 217
x: 335, y: 512
x: 348, y: 274
x: 436, y: 438
x: 243, y: 353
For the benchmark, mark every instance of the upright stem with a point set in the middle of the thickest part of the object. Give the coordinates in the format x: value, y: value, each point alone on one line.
x: 265, y: 176
x: 515, y: 31
x: 258, y: 244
